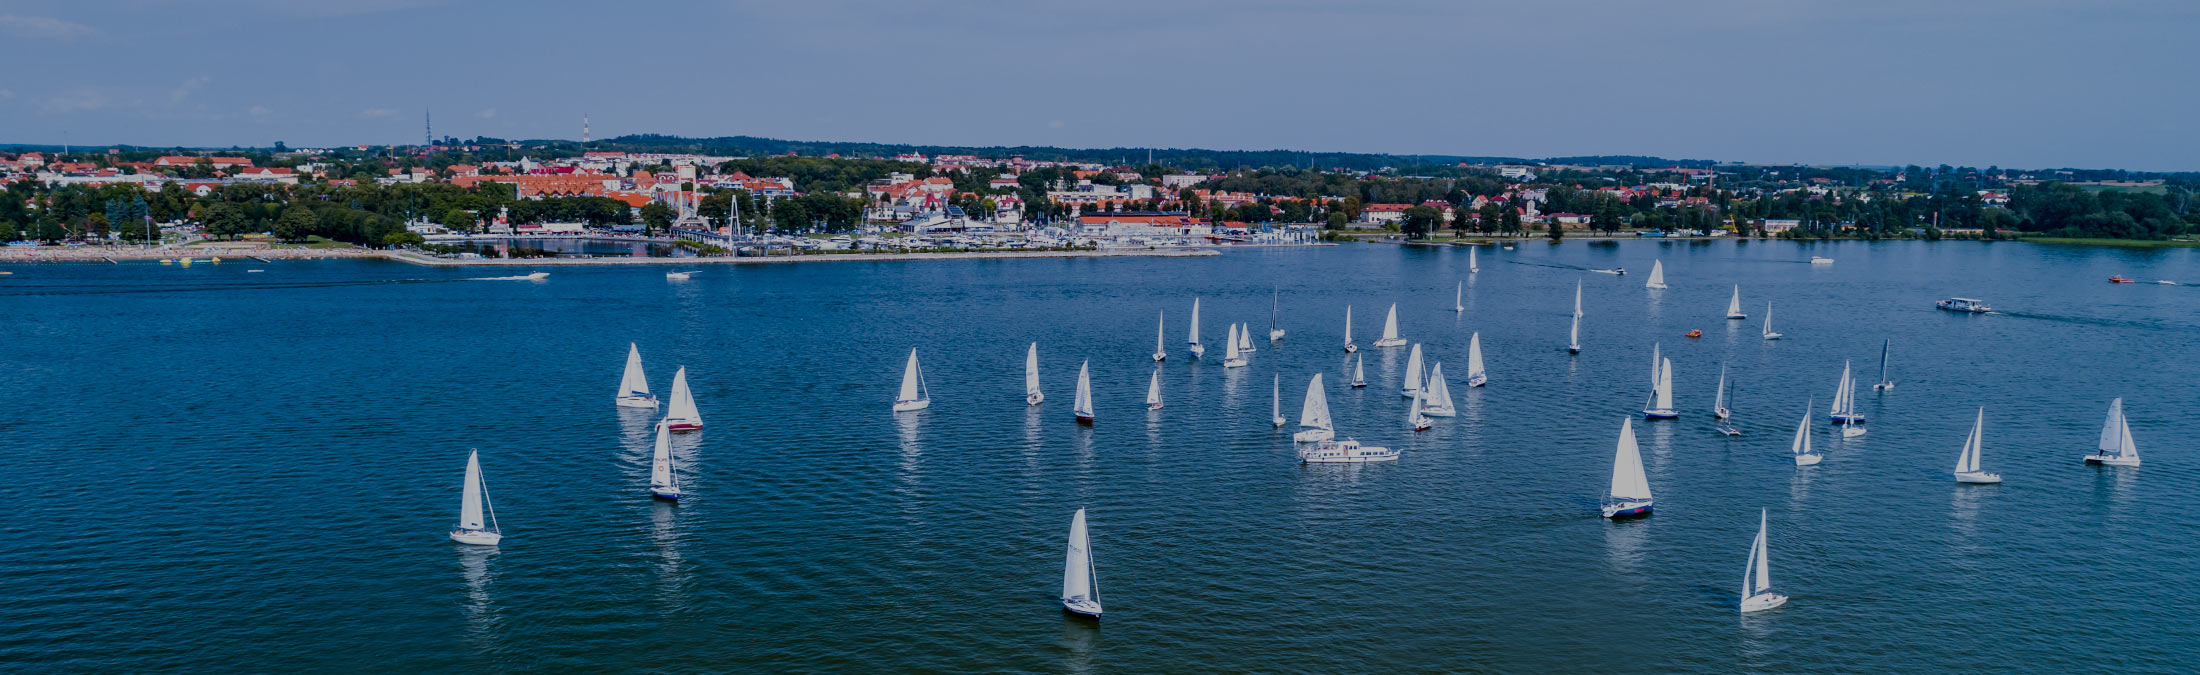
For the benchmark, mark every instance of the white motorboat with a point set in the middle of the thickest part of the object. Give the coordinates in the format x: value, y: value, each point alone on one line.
x: 1083, y: 405
x: 1476, y: 375
x: 1800, y: 447
x: 1314, y: 422
x: 1390, y: 330
x: 1734, y: 305
x: 1080, y: 580
x: 664, y: 483
x: 681, y: 415
x: 1884, y: 383
x: 1231, y: 356
x: 1435, y: 395
x: 1161, y: 327
x: 914, y: 395
x: 1657, y: 276
x: 678, y: 276
x: 1275, y: 403
x: 1769, y: 335
x: 1967, y: 464
x: 471, y: 502
x: 1817, y: 260
x: 1661, y: 398
x: 1359, y: 372
x: 1346, y: 451
x: 1964, y: 305
x: 1844, y: 400
x: 1414, y: 371
x: 633, y: 387
x: 1629, y: 494
x: 1757, y: 595
x: 1153, y: 391
x: 1194, y: 347
x: 1348, y: 346
x: 2116, y: 447
x: 1032, y: 395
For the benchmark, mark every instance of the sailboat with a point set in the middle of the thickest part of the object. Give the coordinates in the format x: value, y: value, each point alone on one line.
x: 1080, y: 581
x: 1884, y: 383
x: 1630, y: 491
x: 1275, y: 403
x: 1413, y: 372
x: 1718, y: 405
x: 1245, y: 339
x: 1436, y: 395
x: 1657, y: 275
x: 1348, y: 346
x: 1757, y: 595
x: 1573, y: 337
x: 1769, y: 335
x: 1844, y: 400
x: 1274, y: 333
x: 1459, y: 298
x: 1083, y: 406
x: 1314, y: 414
x: 1231, y: 357
x: 1804, y: 456
x: 1661, y: 398
x: 470, y: 529
x: 1471, y: 266
x: 1153, y: 391
x: 914, y: 395
x: 1196, y: 349
x: 1476, y: 376
x: 2116, y: 447
x: 1161, y: 327
x: 1414, y: 417
x: 663, y: 483
x: 682, y: 415
x: 1359, y: 373
x: 1967, y: 464
x: 1390, y: 330
x: 1032, y: 395
x: 633, y: 387
x: 1734, y: 305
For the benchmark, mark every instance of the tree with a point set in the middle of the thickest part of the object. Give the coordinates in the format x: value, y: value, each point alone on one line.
x: 1509, y: 221
x: 1419, y: 221
x: 1336, y: 220
x: 656, y: 217
x: 223, y: 220
x: 457, y: 219
x: 296, y: 223
x: 403, y: 238
x: 1491, y: 212
x: 1461, y: 220
x: 1556, y: 232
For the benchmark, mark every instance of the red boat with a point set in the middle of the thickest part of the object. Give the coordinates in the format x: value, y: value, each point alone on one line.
x: 2119, y: 279
x: 1693, y: 334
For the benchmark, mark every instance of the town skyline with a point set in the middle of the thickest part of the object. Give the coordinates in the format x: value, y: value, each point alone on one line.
x: 1853, y: 84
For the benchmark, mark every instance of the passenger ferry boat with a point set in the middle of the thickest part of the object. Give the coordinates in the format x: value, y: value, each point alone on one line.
x: 1345, y: 452
x: 1967, y: 305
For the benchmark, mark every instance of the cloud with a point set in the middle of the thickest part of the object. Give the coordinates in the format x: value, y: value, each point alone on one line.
x: 183, y: 91
x: 488, y: 114
x: 6, y: 94
x: 377, y: 113
x: 75, y: 100
x: 44, y: 27
x: 259, y: 111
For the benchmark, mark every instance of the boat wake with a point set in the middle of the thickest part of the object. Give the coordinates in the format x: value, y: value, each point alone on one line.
x: 538, y: 276
x: 2091, y: 321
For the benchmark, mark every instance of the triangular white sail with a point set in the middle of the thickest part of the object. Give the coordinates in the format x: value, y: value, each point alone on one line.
x: 1078, y: 582
x: 1734, y: 305
x: 1968, y: 462
x: 1275, y: 306
x: 1083, y: 406
x: 660, y: 461
x: 2116, y: 433
x: 1230, y: 352
x: 470, y: 503
x: 1413, y: 371
x: 1160, y: 328
x: 1884, y: 383
x: 1314, y: 412
x: 1153, y: 390
x: 1718, y: 405
x: 683, y: 412
x: 912, y: 384
x: 633, y: 384
x: 1844, y: 394
x: 1359, y: 370
x: 1195, y: 322
x: 1474, y: 359
x: 1768, y: 321
x: 1348, y: 324
x: 1629, y: 483
x: 1415, y: 419
x: 1031, y: 374
x: 1664, y: 399
x: 1459, y: 297
x: 1655, y: 363
x: 1657, y: 275
x: 1390, y: 323
x: 1757, y: 574
x: 1245, y: 338
x: 1275, y: 400
x: 1801, y: 445
x: 1436, y: 394
x: 1471, y: 266
x: 1573, y: 336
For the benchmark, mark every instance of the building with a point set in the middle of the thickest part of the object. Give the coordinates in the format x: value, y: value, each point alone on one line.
x: 1141, y: 224
x: 1781, y: 224
x: 267, y: 174
x: 188, y: 160
x: 1381, y: 214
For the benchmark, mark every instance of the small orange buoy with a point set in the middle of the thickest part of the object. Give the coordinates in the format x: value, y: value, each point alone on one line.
x: 1693, y: 334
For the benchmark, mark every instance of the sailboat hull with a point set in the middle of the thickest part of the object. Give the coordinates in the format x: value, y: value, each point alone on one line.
x: 1034, y: 398
x: 2105, y: 460
x: 1846, y: 418
x: 1628, y: 509
x: 1160, y: 356
x: 1721, y: 413
x: 1478, y: 380
x: 1978, y: 478
x: 1573, y: 349
x: 1275, y: 335
x: 1234, y: 363
x: 1081, y: 608
x: 1810, y: 459
x: 1197, y: 350
x: 683, y: 425
x: 1762, y: 601
x: 670, y: 495
x: 1391, y: 342
x: 649, y: 402
x: 899, y: 406
x: 1660, y: 414
x: 1737, y: 316
x: 1350, y: 348
x: 1359, y: 384
x: 1852, y: 431
x: 476, y: 537
x: 1084, y: 419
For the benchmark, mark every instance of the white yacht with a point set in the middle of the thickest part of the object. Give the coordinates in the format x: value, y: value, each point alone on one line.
x: 1390, y: 330
x: 1195, y: 348
x: 1629, y: 494
x: 1661, y: 398
x: 1757, y: 595
x: 1769, y: 335
x: 1359, y: 372
x: 1231, y: 356
x: 1414, y: 418
x: 664, y: 483
x: 1083, y: 406
x: 471, y: 502
x: 1414, y: 371
x: 1314, y: 422
x: 1161, y: 327
x: 1245, y: 339
x: 1080, y: 581
x: 2116, y: 447
x: 1274, y: 333
x: 1032, y: 395
x: 1734, y: 305
x: 1844, y: 400
x: 1657, y: 276
x: 1459, y: 298
x: 1348, y: 346
x: 1476, y: 376
x: 682, y: 415
x: 1967, y: 464
x: 1153, y: 391
x: 1275, y: 403
x: 1884, y: 383
x: 1435, y: 395
x: 1800, y: 447
x: 913, y: 394
x: 1573, y: 337
x: 1346, y: 451
x: 633, y: 387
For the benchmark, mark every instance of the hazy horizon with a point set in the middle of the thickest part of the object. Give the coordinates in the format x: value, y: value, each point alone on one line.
x: 1859, y: 83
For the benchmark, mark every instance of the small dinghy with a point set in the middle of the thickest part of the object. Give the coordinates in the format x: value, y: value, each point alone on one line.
x: 1390, y: 330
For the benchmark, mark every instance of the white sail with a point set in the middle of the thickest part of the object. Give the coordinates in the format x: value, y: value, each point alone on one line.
x: 1275, y: 400
x: 1801, y: 445
x: 1415, y: 420
x: 1657, y: 275
x: 683, y: 401
x: 1968, y: 461
x: 1314, y: 412
x: 633, y: 383
x: 1230, y: 352
x: 1195, y: 322
x: 1471, y: 266
x: 1757, y: 574
x: 1359, y: 370
x: 1628, y: 480
x: 1734, y: 305
x: 2116, y: 433
x: 1083, y: 406
x: 1413, y: 371
x: 1031, y: 373
x: 1245, y: 338
x: 1768, y: 320
x: 660, y: 459
x: 1655, y: 360
x: 1883, y: 347
x: 1436, y: 394
x: 1474, y: 358
x: 912, y: 382
x: 1718, y: 405
x: 1153, y: 390
x: 1459, y: 297
x: 1348, y: 324
x: 1390, y: 323
x: 1160, y: 328
x: 469, y: 503
x: 1077, y: 576
x: 1573, y: 337
x: 1844, y: 398
x: 1665, y: 388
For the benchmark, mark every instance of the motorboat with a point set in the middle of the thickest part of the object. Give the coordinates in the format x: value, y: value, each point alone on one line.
x: 1346, y: 451
x: 1967, y: 305
x: 1693, y: 334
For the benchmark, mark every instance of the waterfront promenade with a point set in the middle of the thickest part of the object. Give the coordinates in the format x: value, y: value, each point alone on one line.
x: 248, y: 251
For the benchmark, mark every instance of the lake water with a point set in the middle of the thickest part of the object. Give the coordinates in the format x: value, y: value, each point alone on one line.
x: 213, y: 469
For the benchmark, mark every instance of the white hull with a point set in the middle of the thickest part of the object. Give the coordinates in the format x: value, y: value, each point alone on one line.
x: 1391, y: 342
x: 1150, y: 407
x: 1978, y: 477
x: 1275, y: 335
x: 1350, y: 348
x: 1197, y: 350
x: 1883, y: 386
x: 1627, y: 508
x: 1082, y: 607
x: 1234, y: 363
x: 1772, y: 336
x: 1660, y: 414
x: 1346, y: 452
x: 1722, y: 413
x: 1313, y: 436
x: 1737, y: 315
x: 1033, y: 398
x: 1807, y: 460
x: 476, y: 537
x: 1277, y: 421
x: 907, y: 406
x: 2111, y: 461
x: 1851, y: 431
x: 1477, y: 380
x: 1160, y: 356
x: 1359, y: 384
x: 1354, y: 459
x: 1654, y: 287
x: 1763, y: 601
x: 649, y: 402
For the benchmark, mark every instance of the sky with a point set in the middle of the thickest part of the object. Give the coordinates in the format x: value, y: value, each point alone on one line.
x: 2011, y: 83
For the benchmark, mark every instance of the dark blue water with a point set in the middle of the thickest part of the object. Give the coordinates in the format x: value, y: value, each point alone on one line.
x: 211, y: 469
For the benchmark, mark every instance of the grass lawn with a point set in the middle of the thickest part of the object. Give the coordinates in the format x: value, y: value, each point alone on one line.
x: 315, y: 241
x: 2129, y: 243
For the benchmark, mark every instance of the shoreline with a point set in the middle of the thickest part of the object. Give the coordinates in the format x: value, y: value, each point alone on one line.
x: 415, y: 258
